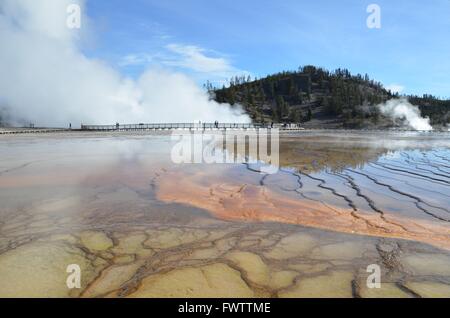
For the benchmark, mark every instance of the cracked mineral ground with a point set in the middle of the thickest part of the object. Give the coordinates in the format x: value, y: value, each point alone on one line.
x: 139, y: 225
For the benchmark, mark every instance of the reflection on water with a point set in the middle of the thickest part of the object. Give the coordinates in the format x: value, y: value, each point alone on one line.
x: 140, y: 226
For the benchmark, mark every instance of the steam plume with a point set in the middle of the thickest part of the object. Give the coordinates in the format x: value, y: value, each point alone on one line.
x: 47, y: 80
x: 401, y: 109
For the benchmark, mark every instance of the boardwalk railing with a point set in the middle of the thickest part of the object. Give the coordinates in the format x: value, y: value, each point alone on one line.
x: 173, y: 126
x: 14, y: 131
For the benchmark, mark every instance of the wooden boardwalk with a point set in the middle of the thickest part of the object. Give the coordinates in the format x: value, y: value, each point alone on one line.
x: 185, y: 126
x: 15, y: 131
x: 151, y: 127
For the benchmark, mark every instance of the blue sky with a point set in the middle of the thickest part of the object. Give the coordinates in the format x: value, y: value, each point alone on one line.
x: 211, y: 39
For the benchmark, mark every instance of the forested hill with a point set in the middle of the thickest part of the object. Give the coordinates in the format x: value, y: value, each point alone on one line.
x: 317, y: 97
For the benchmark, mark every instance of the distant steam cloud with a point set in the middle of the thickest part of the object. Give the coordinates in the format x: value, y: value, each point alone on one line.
x: 402, y: 110
x: 47, y: 80
x: 395, y: 88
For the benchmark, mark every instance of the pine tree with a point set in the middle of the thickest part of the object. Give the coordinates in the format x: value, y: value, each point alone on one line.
x: 309, y: 116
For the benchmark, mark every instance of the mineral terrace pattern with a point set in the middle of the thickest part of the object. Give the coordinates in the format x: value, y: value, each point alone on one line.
x: 140, y: 226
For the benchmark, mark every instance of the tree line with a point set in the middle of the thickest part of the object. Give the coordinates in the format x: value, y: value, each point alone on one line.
x: 315, y: 93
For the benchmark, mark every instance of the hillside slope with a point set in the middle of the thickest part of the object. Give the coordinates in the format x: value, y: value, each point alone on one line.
x: 317, y: 97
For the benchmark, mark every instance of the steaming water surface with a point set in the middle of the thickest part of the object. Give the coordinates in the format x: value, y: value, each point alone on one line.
x: 141, y: 226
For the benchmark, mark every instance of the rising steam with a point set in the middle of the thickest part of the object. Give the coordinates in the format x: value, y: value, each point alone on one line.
x: 47, y: 80
x: 408, y: 114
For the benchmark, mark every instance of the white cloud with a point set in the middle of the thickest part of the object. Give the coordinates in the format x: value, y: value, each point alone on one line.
x: 202, y: 64
x: 193, y: 57
x: 45, y: 79
x: 135, y: 59
x: 395, y: 88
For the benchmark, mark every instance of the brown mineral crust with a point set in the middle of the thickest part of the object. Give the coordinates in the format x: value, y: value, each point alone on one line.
x: 246, y: 202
